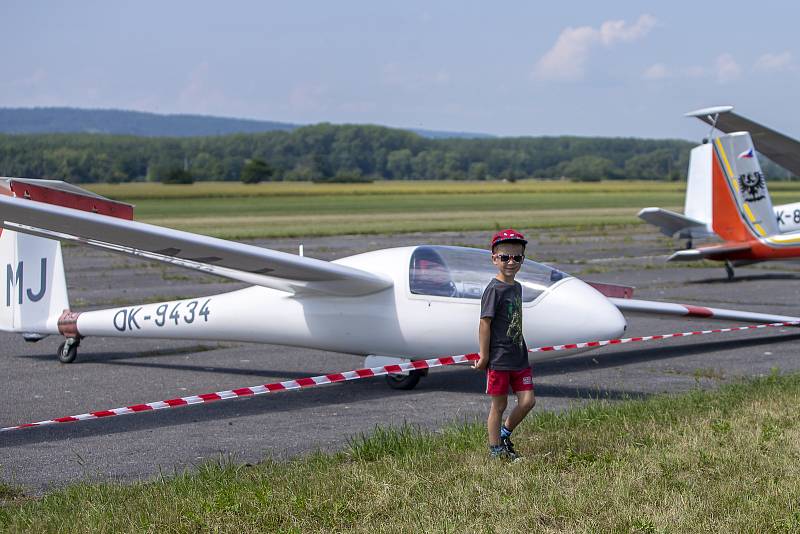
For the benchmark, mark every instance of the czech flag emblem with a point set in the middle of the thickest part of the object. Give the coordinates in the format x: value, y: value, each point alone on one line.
x: 746, y: 154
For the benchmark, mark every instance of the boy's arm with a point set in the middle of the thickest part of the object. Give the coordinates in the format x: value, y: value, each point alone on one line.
x: 484, y: 334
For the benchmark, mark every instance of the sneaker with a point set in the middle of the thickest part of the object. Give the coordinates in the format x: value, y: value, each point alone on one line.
x: 499, y: 452
x: 509, y: 449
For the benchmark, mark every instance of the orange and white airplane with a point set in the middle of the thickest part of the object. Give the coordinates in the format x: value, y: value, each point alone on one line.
x: 727, y: 196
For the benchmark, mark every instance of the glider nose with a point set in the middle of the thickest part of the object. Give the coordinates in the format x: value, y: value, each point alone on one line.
x: 576, y: 312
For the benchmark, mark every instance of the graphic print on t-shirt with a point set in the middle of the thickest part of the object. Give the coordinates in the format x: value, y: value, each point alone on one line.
x: 514, y: 331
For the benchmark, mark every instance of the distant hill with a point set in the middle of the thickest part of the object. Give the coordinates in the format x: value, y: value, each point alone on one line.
x: 118, y: 122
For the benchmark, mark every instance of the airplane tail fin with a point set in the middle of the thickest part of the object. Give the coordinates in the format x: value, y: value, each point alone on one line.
x: 31, y: 266
x: 35, y: 285
x: 696, y: 220
x: 741, y: 205
x: 697, y: 203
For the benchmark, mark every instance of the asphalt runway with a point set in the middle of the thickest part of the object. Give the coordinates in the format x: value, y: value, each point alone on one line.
x: 116, y: 372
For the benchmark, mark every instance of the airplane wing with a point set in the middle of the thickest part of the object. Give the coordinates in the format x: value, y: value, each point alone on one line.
x: 693, y: 254
x: 778, y: 147
x: 229, y: 259
x: 670, y: 223
x: 649, y: 307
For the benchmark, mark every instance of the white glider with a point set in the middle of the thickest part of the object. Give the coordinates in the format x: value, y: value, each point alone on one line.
x: 388, y: 305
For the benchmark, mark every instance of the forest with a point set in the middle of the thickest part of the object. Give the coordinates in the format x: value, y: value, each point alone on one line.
x: 327, y: 152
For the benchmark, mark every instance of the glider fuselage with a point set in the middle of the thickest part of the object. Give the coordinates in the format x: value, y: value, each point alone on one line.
x: 390, y: 322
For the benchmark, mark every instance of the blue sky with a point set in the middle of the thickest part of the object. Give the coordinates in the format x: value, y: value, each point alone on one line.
x: 627, y: 68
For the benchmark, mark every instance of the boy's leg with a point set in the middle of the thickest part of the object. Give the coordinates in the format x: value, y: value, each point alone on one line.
x: 496, y: 409
x: 497, y: 383
x: 525, y: 403
x: 522, y: 384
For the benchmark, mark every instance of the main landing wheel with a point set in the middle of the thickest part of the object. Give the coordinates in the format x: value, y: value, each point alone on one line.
x: 68, y: 351
x: 729, y: 270
x: 409, y: 381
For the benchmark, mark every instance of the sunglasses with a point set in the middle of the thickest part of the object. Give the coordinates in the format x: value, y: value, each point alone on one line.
x: 505, y: 257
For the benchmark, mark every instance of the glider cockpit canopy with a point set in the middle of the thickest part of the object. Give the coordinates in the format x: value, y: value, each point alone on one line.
x: 458, y: 272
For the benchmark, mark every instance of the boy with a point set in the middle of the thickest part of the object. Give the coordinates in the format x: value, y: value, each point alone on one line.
x: 502, y: 348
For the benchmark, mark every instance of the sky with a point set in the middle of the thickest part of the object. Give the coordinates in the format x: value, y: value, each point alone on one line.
x: 616, y: 68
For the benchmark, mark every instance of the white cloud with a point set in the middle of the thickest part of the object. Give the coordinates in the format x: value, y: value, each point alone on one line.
x: 566, y: 60
x: 726, y: 68
x: 775, y: 62
x: 615, y: 30
x: 656, y: 71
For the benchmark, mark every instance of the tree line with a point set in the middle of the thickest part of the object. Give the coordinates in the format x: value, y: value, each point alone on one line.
x: 326, y: 152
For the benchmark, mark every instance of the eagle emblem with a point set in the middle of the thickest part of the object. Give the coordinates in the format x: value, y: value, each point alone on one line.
x: 752, y: 186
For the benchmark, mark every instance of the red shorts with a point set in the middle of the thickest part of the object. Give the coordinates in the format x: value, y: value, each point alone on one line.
x: 497, y: 382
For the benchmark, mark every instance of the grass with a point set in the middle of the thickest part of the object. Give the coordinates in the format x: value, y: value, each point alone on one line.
x: 143, y: 191
x: 237, y: 211
x: 296, y: 209
x: 9, y: 492
x: 723, y: 460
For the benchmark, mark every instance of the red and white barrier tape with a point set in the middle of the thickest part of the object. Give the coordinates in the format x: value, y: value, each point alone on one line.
x: 360, y: 373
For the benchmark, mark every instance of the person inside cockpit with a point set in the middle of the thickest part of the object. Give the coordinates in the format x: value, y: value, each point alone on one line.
x: 430, y: 276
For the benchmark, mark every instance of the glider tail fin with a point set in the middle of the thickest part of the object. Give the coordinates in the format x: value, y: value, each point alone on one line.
x: 741, y: 205
x: 31, y: 264
x: 35, y: 288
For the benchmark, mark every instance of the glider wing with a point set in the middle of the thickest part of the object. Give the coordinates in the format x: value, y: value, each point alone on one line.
x: 649, y: 307
x: 238, y: 261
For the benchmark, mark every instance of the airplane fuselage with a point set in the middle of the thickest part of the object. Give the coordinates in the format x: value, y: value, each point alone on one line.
x: 391, y: 322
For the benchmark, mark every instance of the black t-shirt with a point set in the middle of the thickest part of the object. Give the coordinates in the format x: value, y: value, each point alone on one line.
x: 503, y: 303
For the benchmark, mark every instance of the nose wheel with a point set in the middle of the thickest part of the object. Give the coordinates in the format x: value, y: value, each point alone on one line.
x: 68, y: 350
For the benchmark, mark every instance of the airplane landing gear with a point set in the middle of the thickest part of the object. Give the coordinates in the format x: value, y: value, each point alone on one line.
x: 68, y: 350
x: 402, y: 381
x: 729, y: 270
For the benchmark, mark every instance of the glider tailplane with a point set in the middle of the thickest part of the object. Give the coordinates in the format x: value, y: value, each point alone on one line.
x: 35, y: 286
x: 673, y: 224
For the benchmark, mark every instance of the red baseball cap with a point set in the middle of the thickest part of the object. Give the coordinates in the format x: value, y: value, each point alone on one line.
x: 509, y: 234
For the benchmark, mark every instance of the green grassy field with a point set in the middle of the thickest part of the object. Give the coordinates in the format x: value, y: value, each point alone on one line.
x: 291, y: 209
x: 237, y: 211
x: 720, y: 461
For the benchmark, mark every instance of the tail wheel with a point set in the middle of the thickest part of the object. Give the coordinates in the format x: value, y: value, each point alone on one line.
x: 68, y: 351
x: 403, y: 381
